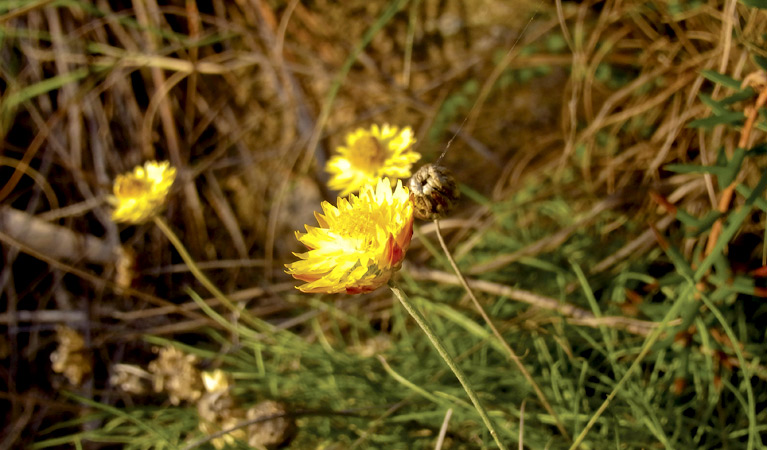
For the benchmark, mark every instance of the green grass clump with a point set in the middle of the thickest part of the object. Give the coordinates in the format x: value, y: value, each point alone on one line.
x: 610, y: 157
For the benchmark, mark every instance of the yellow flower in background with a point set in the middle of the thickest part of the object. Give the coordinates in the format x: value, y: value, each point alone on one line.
x: 215, y: 381
x: 360, y: 242
x: 141, y: 194
x: 370, y: 155
x: 218, y: 410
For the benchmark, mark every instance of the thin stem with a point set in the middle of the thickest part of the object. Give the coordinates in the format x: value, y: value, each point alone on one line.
x: 489, y: 322
x: 257, y: 324
x: 522, y: 425
x: 440, y: 347
x: 443, y: 430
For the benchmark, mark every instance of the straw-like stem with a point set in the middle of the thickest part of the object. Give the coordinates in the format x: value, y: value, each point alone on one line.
x: 257, y: 324
x: 512, y: 354
x: 440, y: 347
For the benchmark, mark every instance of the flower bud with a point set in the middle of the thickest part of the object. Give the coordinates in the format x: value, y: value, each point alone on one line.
x: 434, y: 192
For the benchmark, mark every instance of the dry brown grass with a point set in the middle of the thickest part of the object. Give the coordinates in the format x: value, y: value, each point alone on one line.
x: 230, y: 93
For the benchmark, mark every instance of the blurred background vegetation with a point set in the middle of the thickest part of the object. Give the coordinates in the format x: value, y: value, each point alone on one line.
x: 596, y: 144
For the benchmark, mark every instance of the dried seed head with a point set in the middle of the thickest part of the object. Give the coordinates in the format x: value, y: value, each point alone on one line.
x: 71, y: 357
x: 125, y: 267
x: 130, y: 378
x: 216, y: 406
x: 270, y: 433
x: 175, y: 373
x: 434, y: 192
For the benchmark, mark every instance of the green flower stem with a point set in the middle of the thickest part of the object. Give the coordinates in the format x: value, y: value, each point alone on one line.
x: 257, y: 324
x: 512, y: 355
x: 437, y: 343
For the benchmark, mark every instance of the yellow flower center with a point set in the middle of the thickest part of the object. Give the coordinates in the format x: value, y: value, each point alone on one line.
x: 131, y: 187
x: 369, y: 154
x: 361, y: 228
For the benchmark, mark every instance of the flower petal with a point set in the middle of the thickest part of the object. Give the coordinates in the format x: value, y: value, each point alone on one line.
x: 140, y: 194
x: 369, y: 154
x: 360, y: 242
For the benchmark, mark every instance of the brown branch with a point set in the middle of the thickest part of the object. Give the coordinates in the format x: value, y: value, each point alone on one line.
x: 574, y: 314
x: 93, y: 278
x: 56, y: 241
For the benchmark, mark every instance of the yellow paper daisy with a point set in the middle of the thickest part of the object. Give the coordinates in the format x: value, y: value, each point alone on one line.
x: 370, y: 155
x: 141, y: 194
x: 359, y: 244
x: 215, y: 381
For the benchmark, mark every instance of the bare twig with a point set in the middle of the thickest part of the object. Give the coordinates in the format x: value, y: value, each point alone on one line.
x: 44, y: 316
x: 443, y: 429
x: 56, y: 241
x: 94, y: 279
x: 576, y: 315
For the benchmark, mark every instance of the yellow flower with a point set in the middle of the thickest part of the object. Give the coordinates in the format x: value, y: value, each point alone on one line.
x: 141, y: 194
x: 359, y: 244
x: 215, y: 381
x: 370, y: 155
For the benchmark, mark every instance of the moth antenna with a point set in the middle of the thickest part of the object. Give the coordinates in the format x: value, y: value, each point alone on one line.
x: 444, y: 152
x: 471, y: 111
